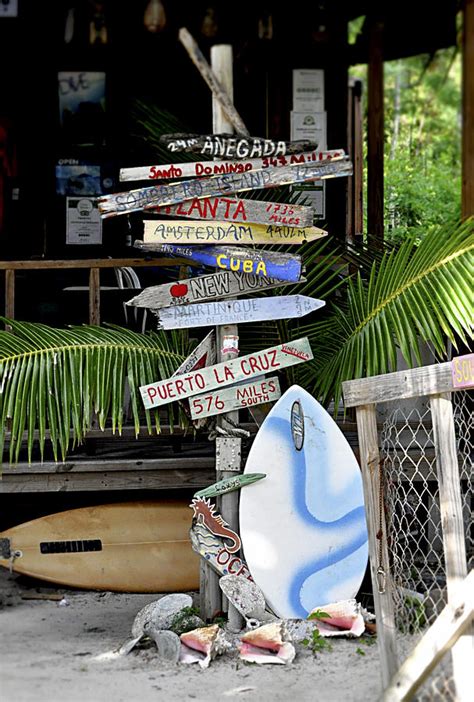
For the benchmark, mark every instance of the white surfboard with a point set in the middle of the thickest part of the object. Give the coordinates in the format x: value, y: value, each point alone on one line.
x: 303, y: 528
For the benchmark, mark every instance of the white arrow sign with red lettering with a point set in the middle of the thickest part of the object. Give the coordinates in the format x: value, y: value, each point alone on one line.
x: 215, y: 314
x: 226, y: 373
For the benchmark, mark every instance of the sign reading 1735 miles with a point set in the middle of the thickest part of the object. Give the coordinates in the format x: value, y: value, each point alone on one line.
x: 226, y: 373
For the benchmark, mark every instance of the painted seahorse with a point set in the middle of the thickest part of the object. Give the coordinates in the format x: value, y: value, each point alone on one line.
x: 205, y: 513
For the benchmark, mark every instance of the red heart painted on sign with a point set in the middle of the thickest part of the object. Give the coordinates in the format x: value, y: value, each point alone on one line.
x: 179, y: 290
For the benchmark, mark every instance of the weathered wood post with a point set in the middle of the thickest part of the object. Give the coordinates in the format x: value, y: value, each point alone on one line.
x: 228, y: 451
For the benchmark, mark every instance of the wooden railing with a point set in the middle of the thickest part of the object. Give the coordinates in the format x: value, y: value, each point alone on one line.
x: 93, y: 264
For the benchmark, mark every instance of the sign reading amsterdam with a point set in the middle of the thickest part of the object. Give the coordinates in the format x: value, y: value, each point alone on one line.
x: 214, y: 314
x: 227, y: 233
x: 269, y: 264
x: 235, y: 398
x: 207, y: 168
x: 226, y: 373
x: 202, y: 288
x: 172, y: 193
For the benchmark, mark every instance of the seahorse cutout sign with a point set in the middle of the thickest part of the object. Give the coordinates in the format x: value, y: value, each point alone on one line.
x: 205, y: 513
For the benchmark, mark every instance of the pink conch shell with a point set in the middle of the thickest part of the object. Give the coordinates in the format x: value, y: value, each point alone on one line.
x: 269, y: 636
x: 209, y: 640
x: 345, y: 619
x: 267, y: 644
x: 255, y: 654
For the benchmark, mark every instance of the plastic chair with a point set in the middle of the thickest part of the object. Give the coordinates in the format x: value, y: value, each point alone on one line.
x: 127, y: 278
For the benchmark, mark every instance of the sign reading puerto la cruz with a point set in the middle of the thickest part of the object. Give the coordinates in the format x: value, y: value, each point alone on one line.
x: 208, y: 168
x: 235, y: 209
x: 215, y: 314
x: 202, y: 288
x: 270, y: 264
x: 234, y: 398
x: 227, y: 373
x: 177, y: 231
x: 172, y: 193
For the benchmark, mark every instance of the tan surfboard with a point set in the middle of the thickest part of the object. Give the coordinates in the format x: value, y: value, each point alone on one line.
x: 125, y: 547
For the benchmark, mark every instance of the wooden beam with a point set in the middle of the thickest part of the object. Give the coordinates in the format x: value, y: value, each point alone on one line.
x: 10, y: 293
x: 94, y: 296
x: 358, y: 161
x: 375, y: 136
x: 453, y: 621
x: 378, y: 553
x: 401, y: 385
x: 454, y: 545
x: 468, y: 111
x: 90, y: 263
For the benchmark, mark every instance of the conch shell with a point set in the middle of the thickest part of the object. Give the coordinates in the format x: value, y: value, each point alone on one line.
x: 267, y: 644
x: 345, y: 619
x: 203, y: 645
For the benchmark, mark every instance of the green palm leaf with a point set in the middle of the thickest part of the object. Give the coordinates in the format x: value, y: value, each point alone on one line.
x: 58, y: 380
x: 418, y: 292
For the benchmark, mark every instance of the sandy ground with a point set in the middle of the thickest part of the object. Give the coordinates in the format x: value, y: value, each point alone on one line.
x: 51, y: 652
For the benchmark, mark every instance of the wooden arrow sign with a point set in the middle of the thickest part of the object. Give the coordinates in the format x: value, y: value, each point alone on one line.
x: 177, y: 231
x: 172, y: 193
x: 215, y: 314
x: 215, y: 553
x: 234, y: 398
x: 230, y: 484
x: 232, y: 146
x: 234, y: 209
x: 226, y: 373
x: 203, y: 355
x: 194, y: 169
x: 204, y: 287
x: 266, y: 263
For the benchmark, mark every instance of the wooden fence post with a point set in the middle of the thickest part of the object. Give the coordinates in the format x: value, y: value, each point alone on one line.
x: 378, y: 554
x: 453, y: 531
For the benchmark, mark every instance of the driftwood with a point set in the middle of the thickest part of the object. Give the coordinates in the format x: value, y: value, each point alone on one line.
x: 208, y: 168
x: 173, y: 193
x: 177, y: 231
x: 271, y: 264
x: 234, y: 146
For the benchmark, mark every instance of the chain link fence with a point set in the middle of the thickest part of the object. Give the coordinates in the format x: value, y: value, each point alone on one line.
x: 414, y: 532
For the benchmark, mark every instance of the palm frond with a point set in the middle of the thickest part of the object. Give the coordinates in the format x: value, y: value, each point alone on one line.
x: 419, y: 292
x: 58, y: 380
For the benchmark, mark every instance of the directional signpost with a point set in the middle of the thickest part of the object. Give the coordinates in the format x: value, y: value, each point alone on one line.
x: 236, y: 482
x: 203, y: 355
x: 227, y: 373
x: 173, y: 193
x: 215, y: 314
x: 206, y: 168
x: 269, y: 264
x: 234, y: 398
x: 235, y: 209
x: 234, y: 146
x: 177, y: 231
x: 215, y: 286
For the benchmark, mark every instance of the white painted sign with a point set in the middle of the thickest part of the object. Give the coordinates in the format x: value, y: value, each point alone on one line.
x: 203, y: 355
x: 179, y: 231
x: 208, y: 168
x: 215, y: 314
x: 234, y: 398
x: 227, y: 373
x: 204, y: 287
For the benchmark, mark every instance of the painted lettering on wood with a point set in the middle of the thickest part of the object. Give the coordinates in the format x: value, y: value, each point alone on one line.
x: 215, y: 314
x: 203, y: 288
x: 203, y: 355
x: 282, y: 266
x: 208, y: 168
x: 173, y: 193
x: 234, y: 398
x: 213, y: 550
x: 240, y: 210
x: 226, y: 373
x: 463, y: 371
x: 230, y: 484
x: 227, y: 233
x: 232, y: 146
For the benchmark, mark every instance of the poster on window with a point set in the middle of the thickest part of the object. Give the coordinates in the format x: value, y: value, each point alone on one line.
x: 82, y: 106
x: 83, y: 222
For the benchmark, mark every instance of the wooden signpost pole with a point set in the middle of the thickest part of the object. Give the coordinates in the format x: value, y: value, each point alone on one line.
x: 221, y: 61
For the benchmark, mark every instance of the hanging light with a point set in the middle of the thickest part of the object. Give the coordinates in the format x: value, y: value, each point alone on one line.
x: 155, y: 16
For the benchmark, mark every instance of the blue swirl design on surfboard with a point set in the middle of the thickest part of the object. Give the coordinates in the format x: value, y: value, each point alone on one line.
x: 316, y: 493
